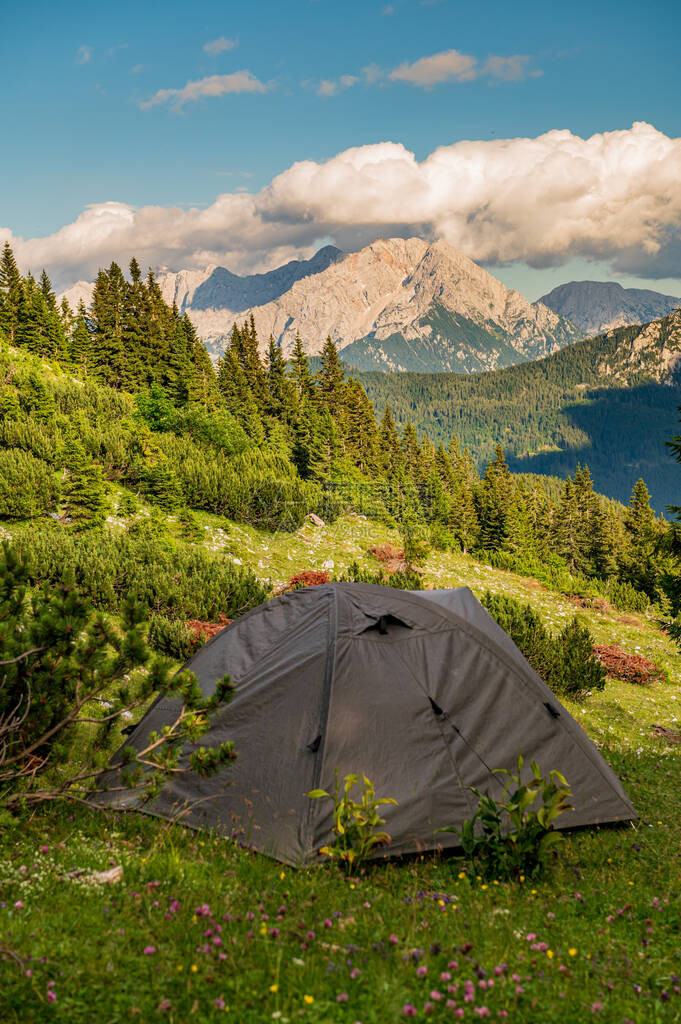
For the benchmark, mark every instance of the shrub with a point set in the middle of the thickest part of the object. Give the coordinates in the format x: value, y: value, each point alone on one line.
x: 407, y: 579
x: 177, y: 582
x: 171, y: 637
x: 28, y: 486
x: 60, y: 660
x: 565, y: 662
x: 625, y: 597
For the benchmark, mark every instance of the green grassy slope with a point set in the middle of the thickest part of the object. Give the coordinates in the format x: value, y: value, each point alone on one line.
x: 200, y: 930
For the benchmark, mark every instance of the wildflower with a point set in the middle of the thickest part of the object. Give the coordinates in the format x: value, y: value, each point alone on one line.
x: 572, y: 951
x: 408, y: 1010
x: 51, y: 996
x: 482, y: 1011
x: 393, y: 940
x: 18, y: 905
x: 149, y: 950
x: 428, y: 1007
x: 596, y: 1007
x: 193, y: 968
x: 421, y: 971
x: 549, y: 953
x: 274, y: 988
x: 164, y: 1005
x: 484, y: 887
x: 435, y: 996
x: 219, y: 1003
x: 445, y: 976
x: 342, y: 997
x: 355, y: 973
x: 309, y: 1000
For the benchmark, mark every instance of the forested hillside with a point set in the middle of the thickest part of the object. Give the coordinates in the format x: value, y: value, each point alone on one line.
x: 553, y: 414
x: 128, y: 416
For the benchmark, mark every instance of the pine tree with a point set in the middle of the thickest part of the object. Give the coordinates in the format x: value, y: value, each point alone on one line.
x: 330, y: 377
x: 85, y: 492
x: 302, y: 376
x: 10, y: 293
x: 390, y: 451
x: 495, y: 498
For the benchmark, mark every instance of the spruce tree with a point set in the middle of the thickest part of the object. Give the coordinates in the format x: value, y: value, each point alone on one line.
x: 10, y: 293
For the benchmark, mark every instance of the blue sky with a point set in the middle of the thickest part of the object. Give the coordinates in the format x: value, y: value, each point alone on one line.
x: 98, y: 113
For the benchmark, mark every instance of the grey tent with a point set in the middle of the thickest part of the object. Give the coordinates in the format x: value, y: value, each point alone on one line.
x: 421, y: 691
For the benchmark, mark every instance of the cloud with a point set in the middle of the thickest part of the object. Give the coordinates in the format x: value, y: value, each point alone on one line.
x: 441, y: 67
x: 84, y: 55
x: 331, y: 88
x: 214, y: 47
x: 613, y: 197
x: 454, y: 66
x: 213, y: 85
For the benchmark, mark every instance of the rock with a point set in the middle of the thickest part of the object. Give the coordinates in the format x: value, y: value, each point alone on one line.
x: 314, y: 519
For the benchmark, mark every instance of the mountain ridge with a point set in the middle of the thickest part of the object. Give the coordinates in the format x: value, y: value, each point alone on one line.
x: 597, y: 306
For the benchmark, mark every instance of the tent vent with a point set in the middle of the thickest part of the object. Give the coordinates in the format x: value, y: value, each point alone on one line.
x: 382, y: 622
x: 314, y: 746
x: 551, y: 710
x: 437, y: 710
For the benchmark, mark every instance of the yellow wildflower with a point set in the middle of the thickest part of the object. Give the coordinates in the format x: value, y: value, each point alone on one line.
x: 274, y: 988
x: 193, y: 968
x: 572, y: 951
x: 309, y: 1000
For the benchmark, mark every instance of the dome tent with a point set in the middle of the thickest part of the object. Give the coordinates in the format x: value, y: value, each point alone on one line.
x: 421, y: 691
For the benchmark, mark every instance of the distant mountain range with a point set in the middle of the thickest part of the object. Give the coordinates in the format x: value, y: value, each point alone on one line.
x: 596, y: 306
x: 397, y: 304
x: 400, y: 304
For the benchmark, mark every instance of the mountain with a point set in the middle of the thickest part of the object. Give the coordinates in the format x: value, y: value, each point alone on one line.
x: 397, y: 304
x: 596, y: 306
x: 610, y: 402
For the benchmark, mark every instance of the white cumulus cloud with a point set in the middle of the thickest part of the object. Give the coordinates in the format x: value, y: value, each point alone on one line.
x: 615, y: 196
x: 213, y: 85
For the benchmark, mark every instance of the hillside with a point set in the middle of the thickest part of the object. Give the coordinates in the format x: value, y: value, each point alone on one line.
x: 597, y: 306
x: 610, y: 402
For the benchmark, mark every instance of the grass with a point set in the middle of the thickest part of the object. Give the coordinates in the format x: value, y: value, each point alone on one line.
x: 199, y: 929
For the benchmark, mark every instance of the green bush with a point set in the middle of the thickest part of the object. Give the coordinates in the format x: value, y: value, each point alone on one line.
x: 407, y: 580
x: 565, y: 662
x: 28, y: 486
x: 171, y: 637
x: 625, y: 597
x: 178, y: 582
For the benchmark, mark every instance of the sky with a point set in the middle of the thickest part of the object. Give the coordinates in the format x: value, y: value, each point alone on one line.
x: 542, y: 140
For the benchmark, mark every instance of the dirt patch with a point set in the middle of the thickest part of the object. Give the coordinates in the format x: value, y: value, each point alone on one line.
x: 629, y: 668
x: 666, y: 734
x: 532, y: 584
x: 391, y: 558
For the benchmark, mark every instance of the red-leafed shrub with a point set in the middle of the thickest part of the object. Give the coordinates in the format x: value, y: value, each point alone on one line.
x: 307, y: 578
x: 629, y: 668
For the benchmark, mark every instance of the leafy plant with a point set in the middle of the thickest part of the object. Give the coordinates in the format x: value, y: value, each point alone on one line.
x: 355, y: 822
x: 508, y: 838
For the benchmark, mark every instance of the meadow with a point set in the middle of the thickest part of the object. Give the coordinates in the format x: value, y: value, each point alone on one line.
x: 200, y: 929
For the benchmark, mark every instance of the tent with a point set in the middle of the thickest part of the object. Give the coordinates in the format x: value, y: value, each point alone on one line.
x: 421, y: 691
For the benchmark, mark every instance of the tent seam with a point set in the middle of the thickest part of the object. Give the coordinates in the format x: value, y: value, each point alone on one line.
x: 323, y: 716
